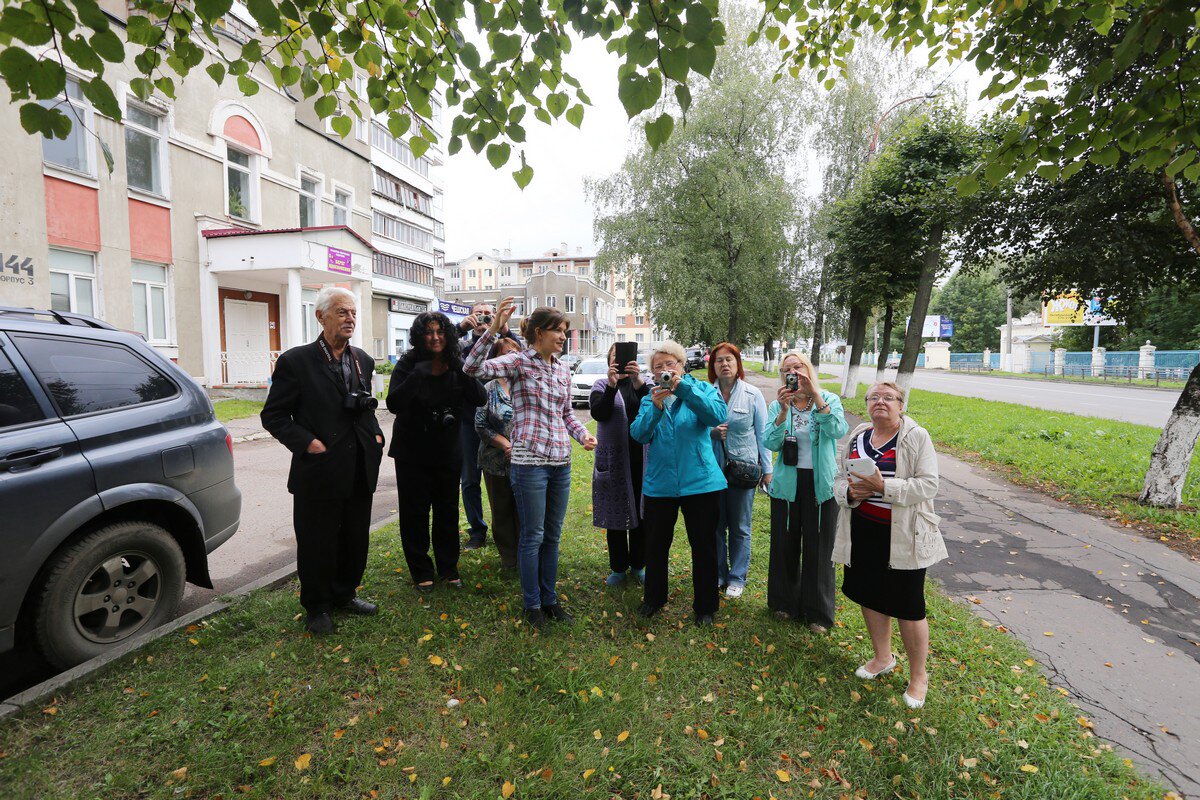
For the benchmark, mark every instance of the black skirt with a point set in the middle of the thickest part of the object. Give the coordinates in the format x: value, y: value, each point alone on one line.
x: 868, y: 581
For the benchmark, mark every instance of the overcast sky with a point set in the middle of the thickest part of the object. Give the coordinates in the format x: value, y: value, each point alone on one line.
x: 484, y: 208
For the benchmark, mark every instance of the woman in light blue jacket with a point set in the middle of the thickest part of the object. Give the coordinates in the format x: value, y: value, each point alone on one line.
x: 804, y: 425
x: 681, y: 475
x: 738, y: 441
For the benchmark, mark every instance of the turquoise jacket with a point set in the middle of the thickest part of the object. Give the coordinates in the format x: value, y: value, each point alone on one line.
x: 681, y: 460
x: 823, y: 433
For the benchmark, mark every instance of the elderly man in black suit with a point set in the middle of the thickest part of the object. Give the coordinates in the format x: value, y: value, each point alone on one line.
x: 321, y: 407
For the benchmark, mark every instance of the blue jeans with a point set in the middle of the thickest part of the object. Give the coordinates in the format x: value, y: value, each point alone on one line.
x: 733, y: 536
x: 472, y: 496
x: 542, y: 492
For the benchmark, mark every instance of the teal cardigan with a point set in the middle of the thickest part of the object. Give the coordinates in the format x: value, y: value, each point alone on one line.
x: 824, y: 433
x: 680, y: 461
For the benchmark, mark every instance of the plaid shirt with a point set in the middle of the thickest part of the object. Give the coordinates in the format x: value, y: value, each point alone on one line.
x: 541, y: 399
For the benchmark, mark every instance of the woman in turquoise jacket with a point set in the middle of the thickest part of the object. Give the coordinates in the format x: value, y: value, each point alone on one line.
x: 681, y: 475
x: 804, y: 424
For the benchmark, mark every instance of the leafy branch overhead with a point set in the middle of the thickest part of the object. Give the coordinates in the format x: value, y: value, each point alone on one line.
x: 508, y: 63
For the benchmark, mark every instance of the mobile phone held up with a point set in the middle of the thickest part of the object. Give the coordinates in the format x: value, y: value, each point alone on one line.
x: 626, y: 352
x: 860, y: 467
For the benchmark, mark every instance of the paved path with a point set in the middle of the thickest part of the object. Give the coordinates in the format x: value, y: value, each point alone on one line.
x: 1143, y: 406
x: 1122, y: 609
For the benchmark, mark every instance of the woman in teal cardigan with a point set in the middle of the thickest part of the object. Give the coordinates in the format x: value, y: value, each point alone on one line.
x: 804, y: 424
x: 681, y: 475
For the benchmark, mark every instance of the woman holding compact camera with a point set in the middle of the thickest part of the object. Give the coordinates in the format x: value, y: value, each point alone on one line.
x: 804, y: 424
x: 428, y: 393
x: 681, y: 475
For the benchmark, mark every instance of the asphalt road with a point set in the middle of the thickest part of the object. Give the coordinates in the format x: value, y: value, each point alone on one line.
x: 1143, y: 406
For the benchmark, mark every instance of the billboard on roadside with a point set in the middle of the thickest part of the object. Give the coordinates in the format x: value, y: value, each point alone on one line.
x: 1067, y: 311
x: 936, y: 327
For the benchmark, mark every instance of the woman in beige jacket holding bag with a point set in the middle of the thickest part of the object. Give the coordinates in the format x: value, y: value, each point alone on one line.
x: 887, y: 533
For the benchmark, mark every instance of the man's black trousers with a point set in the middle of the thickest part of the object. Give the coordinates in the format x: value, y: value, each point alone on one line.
x: 331, y: 545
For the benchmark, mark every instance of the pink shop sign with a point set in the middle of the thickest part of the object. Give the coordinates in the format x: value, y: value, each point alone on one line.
x: 339, y: 261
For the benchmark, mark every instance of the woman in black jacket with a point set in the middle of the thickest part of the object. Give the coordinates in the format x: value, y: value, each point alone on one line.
x: 428, y: 393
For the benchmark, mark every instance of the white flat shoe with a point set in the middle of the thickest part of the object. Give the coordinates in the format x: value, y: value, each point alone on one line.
x: 911, y: 701
x: 867, y: 675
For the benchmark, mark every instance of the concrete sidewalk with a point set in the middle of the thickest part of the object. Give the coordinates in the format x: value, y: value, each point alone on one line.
x: 1111, y: 615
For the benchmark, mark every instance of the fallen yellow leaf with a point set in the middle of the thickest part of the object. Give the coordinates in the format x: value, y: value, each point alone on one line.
x: 782, y: 776
x: 266, y: 762
x: 446, y: 781
x: 622, y: 736
x: 506, y: 791
x: 587, y: 773
x: 179, y: 774
x: 436, y: 661
x: 866, y: 745
x: 303, y: 761
x: 1028, y: 768
x: 596, y: 734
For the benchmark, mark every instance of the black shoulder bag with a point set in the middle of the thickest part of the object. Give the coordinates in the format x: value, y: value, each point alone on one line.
x: 741, y: 474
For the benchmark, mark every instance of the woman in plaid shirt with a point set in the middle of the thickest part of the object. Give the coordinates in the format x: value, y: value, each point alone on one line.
x: 540, y: 387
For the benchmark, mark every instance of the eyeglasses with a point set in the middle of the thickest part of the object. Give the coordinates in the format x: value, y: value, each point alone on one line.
x: 668, y: 364
x: 882, y: 398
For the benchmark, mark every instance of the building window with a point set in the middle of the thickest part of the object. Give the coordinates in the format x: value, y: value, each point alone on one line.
x: 361, y: 123
x: 454, y: 274
x: 73, y: 282
x: 569, y: 303
x: 584, y: 269
x: 487, y: 273
x: 439, y: 229
x: 341, y: 207
x: 401, y: 231
x: 471, y: 273
x: 240, y: 174
x: 639, y: 320
x: 398, y: 149
x: 439, y: 259
x: 533, y: 302
x: 308, y: 314
x: 144, y: 158
x: 74, y: 152
x: 151, y: 302
x: 309, y: 189
x: 402, y: 269
x: 519, y: 308
x: 506, y: 271
x: 621, y: 320
x: 552, y: 301
x: 639, y: 337
x: 401, y: 192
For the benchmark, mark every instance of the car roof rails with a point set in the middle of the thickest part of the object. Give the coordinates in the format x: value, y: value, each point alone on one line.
x: 61, y: 317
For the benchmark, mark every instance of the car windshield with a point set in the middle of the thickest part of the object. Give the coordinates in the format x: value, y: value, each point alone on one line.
x: 592, y: 368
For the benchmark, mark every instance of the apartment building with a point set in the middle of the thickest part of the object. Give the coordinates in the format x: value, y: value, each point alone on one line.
x: 633, y: 322
x: 557, y: 278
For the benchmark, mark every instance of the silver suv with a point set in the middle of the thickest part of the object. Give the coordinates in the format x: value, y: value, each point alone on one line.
x: 116, y: 482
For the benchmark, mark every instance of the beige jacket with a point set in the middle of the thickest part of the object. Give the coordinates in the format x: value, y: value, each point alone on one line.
x: 916, y: 538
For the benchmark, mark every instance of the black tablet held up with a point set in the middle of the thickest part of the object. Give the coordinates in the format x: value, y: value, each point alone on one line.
x: 626, y: 352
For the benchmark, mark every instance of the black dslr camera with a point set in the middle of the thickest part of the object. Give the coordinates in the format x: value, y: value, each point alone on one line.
x: 442, y: 417
x: 358, y: 402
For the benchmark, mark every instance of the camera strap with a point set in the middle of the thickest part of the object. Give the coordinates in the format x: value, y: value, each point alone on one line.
x: 335, y: 365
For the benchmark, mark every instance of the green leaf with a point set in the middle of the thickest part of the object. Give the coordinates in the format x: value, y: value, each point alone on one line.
x: 455, y: 145
x: 418, y: 145
x: 1105, y: 157
x: 108, y: 46
x: 321, y: 23
x: 675, y: 64
x: 17, y: 65
x: 78, y: 50
x: 216, y: 72
x: 211, y: 10
x: 36, y: 119
x: 699, y: 24
x: 638, y: 93
x: 556, y: 103
x: 505, y: 46
x: 542, y: 115
x: 398, y: 124
x: 575, y: 115
x: 325, y: 106
x: 702, y: 56
x: 341, y: 124
x: 658, y: 131
x: 247, y: 85
x: 684, y: 95
x: 101, y: 96
x: 265, y: 13
x: 107, y: 152
x: 967, y: 185
x: 497, y: 154
x: 523, y: 176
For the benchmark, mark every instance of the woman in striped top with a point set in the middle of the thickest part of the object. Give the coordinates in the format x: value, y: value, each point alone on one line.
x: 890, y: 534
x: 540, y: 387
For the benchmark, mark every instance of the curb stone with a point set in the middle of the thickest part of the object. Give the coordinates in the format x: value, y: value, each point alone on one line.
x: 87, y: 669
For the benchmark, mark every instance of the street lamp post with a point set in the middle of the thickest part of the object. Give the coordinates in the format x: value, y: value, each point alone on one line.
x: 893, y: 107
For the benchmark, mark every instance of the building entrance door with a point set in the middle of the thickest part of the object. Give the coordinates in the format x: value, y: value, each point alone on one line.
x: 247, y: 342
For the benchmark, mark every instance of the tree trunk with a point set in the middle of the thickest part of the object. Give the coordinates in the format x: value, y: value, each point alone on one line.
x: 732, y: 332
x: 1173, y: 454
x: 1185, y: 226
x: 916, y: 320
x: 819, y: 316
x: 881, y: 357
x: 855, y: 333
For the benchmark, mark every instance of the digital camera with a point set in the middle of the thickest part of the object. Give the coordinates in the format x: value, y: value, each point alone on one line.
x: 358, y: 402
x: 442, y: 417
x: 792, y: 381
x: 484, y: 319
x: 664, y: 378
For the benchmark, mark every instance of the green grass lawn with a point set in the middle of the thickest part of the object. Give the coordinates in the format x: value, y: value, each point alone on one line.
x: 611, y: 706
x: 1094, y: 462
x: 229, y: 410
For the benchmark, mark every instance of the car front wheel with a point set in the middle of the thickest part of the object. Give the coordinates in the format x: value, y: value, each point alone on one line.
x: 123, y: 579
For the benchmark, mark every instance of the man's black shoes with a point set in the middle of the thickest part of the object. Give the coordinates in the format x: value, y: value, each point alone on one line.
x: 359, y: 607
x: 536, y: 619
x: 704, y: 620
x: 319, y: 624
x: 557, y: 613
x: 473, y: 544
x: 647, y: 610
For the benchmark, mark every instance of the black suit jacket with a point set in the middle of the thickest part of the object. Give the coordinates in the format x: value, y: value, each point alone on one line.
x: 305, y: 403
